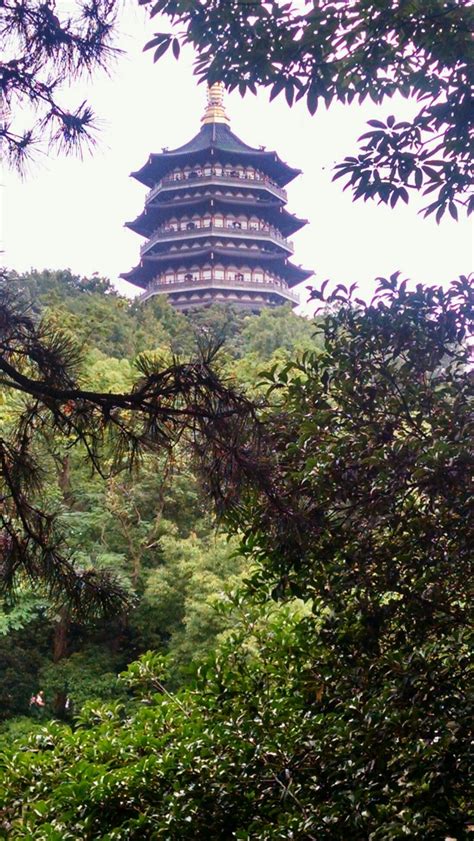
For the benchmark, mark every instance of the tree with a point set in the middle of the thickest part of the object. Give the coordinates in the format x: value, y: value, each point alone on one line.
x: 345, y: 715
x: 334, y: 50
x: 152, y: 530
x: 42, y: 52
x: 55, y: 410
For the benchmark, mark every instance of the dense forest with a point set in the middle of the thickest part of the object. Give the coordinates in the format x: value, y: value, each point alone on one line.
x: 154, y: 528
x: 288, y: 653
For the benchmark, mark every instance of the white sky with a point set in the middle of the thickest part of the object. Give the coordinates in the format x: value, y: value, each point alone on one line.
x: 70, y: 213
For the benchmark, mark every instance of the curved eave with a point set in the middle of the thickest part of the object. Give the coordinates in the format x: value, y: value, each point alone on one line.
x: 296, y: 274
x: 138, y: 276
x: 144, y: 272
x: 273, y: 211
x: 191, y: 255
x: 212, y: 139
x: 161, y: 163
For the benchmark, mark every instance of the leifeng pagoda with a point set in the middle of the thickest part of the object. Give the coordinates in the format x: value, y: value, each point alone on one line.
x: 215, y: 224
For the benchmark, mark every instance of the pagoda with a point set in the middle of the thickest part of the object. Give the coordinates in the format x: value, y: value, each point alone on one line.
x: 215, y: 224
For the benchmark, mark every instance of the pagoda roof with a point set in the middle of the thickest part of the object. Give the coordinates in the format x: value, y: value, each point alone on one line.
x: 142, y: 274
x: 215, y: 137
x: 273, y: 211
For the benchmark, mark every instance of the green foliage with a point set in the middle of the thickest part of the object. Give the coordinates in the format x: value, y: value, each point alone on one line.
x: 14, y: 616
x: 261, y: 748
x: 152, y: 529
x: 276, y: 330
x: 343, y: 716
x: 339, y: 51
x: 22, y: 653
x: 183, y: 592
x: 89, y: 674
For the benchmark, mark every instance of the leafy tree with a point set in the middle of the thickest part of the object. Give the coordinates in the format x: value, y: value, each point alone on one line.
x: 183, y: 592
x: 334, y: 50
x: 275, y: 330
x: 150, y: 529
x: 43, y: 366
x: 347, y: 715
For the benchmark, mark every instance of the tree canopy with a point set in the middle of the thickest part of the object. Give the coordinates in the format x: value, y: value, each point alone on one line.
x: 325, y: 51
x: 130, y: 560
x: 43, y: 50
x: 42, y: 364
x: 338, y: 706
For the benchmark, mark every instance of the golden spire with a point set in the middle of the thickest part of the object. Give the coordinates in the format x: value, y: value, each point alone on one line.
x: 215, y: 111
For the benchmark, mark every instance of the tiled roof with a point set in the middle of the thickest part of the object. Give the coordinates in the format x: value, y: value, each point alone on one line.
x: 219, y: 137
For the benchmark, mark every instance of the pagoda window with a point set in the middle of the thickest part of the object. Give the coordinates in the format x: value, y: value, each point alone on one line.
x: 239, y: 277
x: 190, y: 226
x: 258, y: 277
x: 237, y: 225
x: 188, y: 276
x: 219, y: 274
x: 207, y: 170
x: 235, y: 173
x: 207, y: 274
x: 218, y: 170
x: 247, y: 276
x: 219, y: 221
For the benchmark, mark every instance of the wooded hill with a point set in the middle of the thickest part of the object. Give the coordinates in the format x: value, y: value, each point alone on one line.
x: 154, y: 528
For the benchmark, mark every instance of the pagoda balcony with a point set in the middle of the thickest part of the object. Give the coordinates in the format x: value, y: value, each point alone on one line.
x: 271, y: 234
x: 224, y: 180
x: 275, y: 286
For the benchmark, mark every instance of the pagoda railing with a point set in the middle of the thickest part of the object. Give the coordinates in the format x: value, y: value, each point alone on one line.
x: 239, y: 233
x: 213, y: 283
x: 229, y: 180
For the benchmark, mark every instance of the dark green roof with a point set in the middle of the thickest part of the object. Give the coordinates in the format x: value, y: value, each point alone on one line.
x: 218, y: 137
x: 272, y: 210
x: 149, y: 266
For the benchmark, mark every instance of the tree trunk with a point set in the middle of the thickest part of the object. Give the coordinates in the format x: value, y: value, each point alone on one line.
x: 61, y: 637
x: 64, y: 477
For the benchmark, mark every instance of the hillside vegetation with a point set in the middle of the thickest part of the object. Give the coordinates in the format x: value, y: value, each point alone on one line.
x: 154, y: 528
x: 306, y: 665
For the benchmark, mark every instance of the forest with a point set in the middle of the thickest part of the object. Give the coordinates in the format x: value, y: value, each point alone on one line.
x: 154, y: 527
x: 283, y: 648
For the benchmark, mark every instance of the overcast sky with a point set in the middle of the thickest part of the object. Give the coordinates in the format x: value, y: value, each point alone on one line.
x: 70, y: 213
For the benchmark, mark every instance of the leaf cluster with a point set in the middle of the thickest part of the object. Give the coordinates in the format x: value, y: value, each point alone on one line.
x: 334, y: 50
x: 42, y: 365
